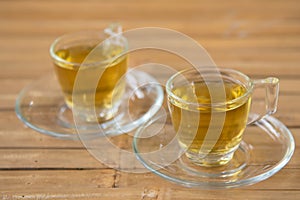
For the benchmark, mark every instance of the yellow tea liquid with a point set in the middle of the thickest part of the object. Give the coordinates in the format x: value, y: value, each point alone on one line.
x: 192, y: 124
x: 109, y: 89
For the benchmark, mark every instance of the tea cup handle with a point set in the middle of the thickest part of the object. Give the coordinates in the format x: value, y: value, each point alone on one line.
x: 268, y: 91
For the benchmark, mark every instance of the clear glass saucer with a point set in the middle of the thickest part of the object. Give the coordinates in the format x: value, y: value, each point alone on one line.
x: 41, y: 107
x: 267, y: 146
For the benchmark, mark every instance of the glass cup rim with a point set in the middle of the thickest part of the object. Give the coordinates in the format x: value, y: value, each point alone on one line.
x: 85, y: 33
x: 249, y: 88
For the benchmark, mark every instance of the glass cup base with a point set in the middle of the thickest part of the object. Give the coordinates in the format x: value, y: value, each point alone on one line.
x: 90, y: 115
x: 210, y: 160
x: 102, y: 116
x: 215, y: 165
x: 65, y: 118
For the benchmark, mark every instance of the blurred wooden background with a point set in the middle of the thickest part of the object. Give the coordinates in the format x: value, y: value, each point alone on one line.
x: 258, y: 37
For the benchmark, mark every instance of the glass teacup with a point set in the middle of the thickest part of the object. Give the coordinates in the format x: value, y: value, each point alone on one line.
x: 210, y: 108
x: 69, y: 54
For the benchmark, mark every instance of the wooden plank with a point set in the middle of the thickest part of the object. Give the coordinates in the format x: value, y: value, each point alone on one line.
x: 283, y: 44
x: 48, y: 159
x: 85, y: 180
x: 56, y: 179
x: 176, y: 194
x: 28, y: 138
x: 286, y: 179
x: 150, y: 193
x: 133, y: 10
x: 78, y: 193
x: 223, y: 28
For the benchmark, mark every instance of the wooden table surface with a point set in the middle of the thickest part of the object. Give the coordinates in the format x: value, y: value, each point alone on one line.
x: 257, y: 37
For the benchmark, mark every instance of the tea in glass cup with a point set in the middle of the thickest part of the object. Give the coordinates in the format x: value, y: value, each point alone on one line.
x: 69, y: 54
x: 210, y: 130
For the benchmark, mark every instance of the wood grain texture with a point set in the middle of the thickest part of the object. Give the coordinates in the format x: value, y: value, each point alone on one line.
x: 164, y: 193
x: 258, y: 37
